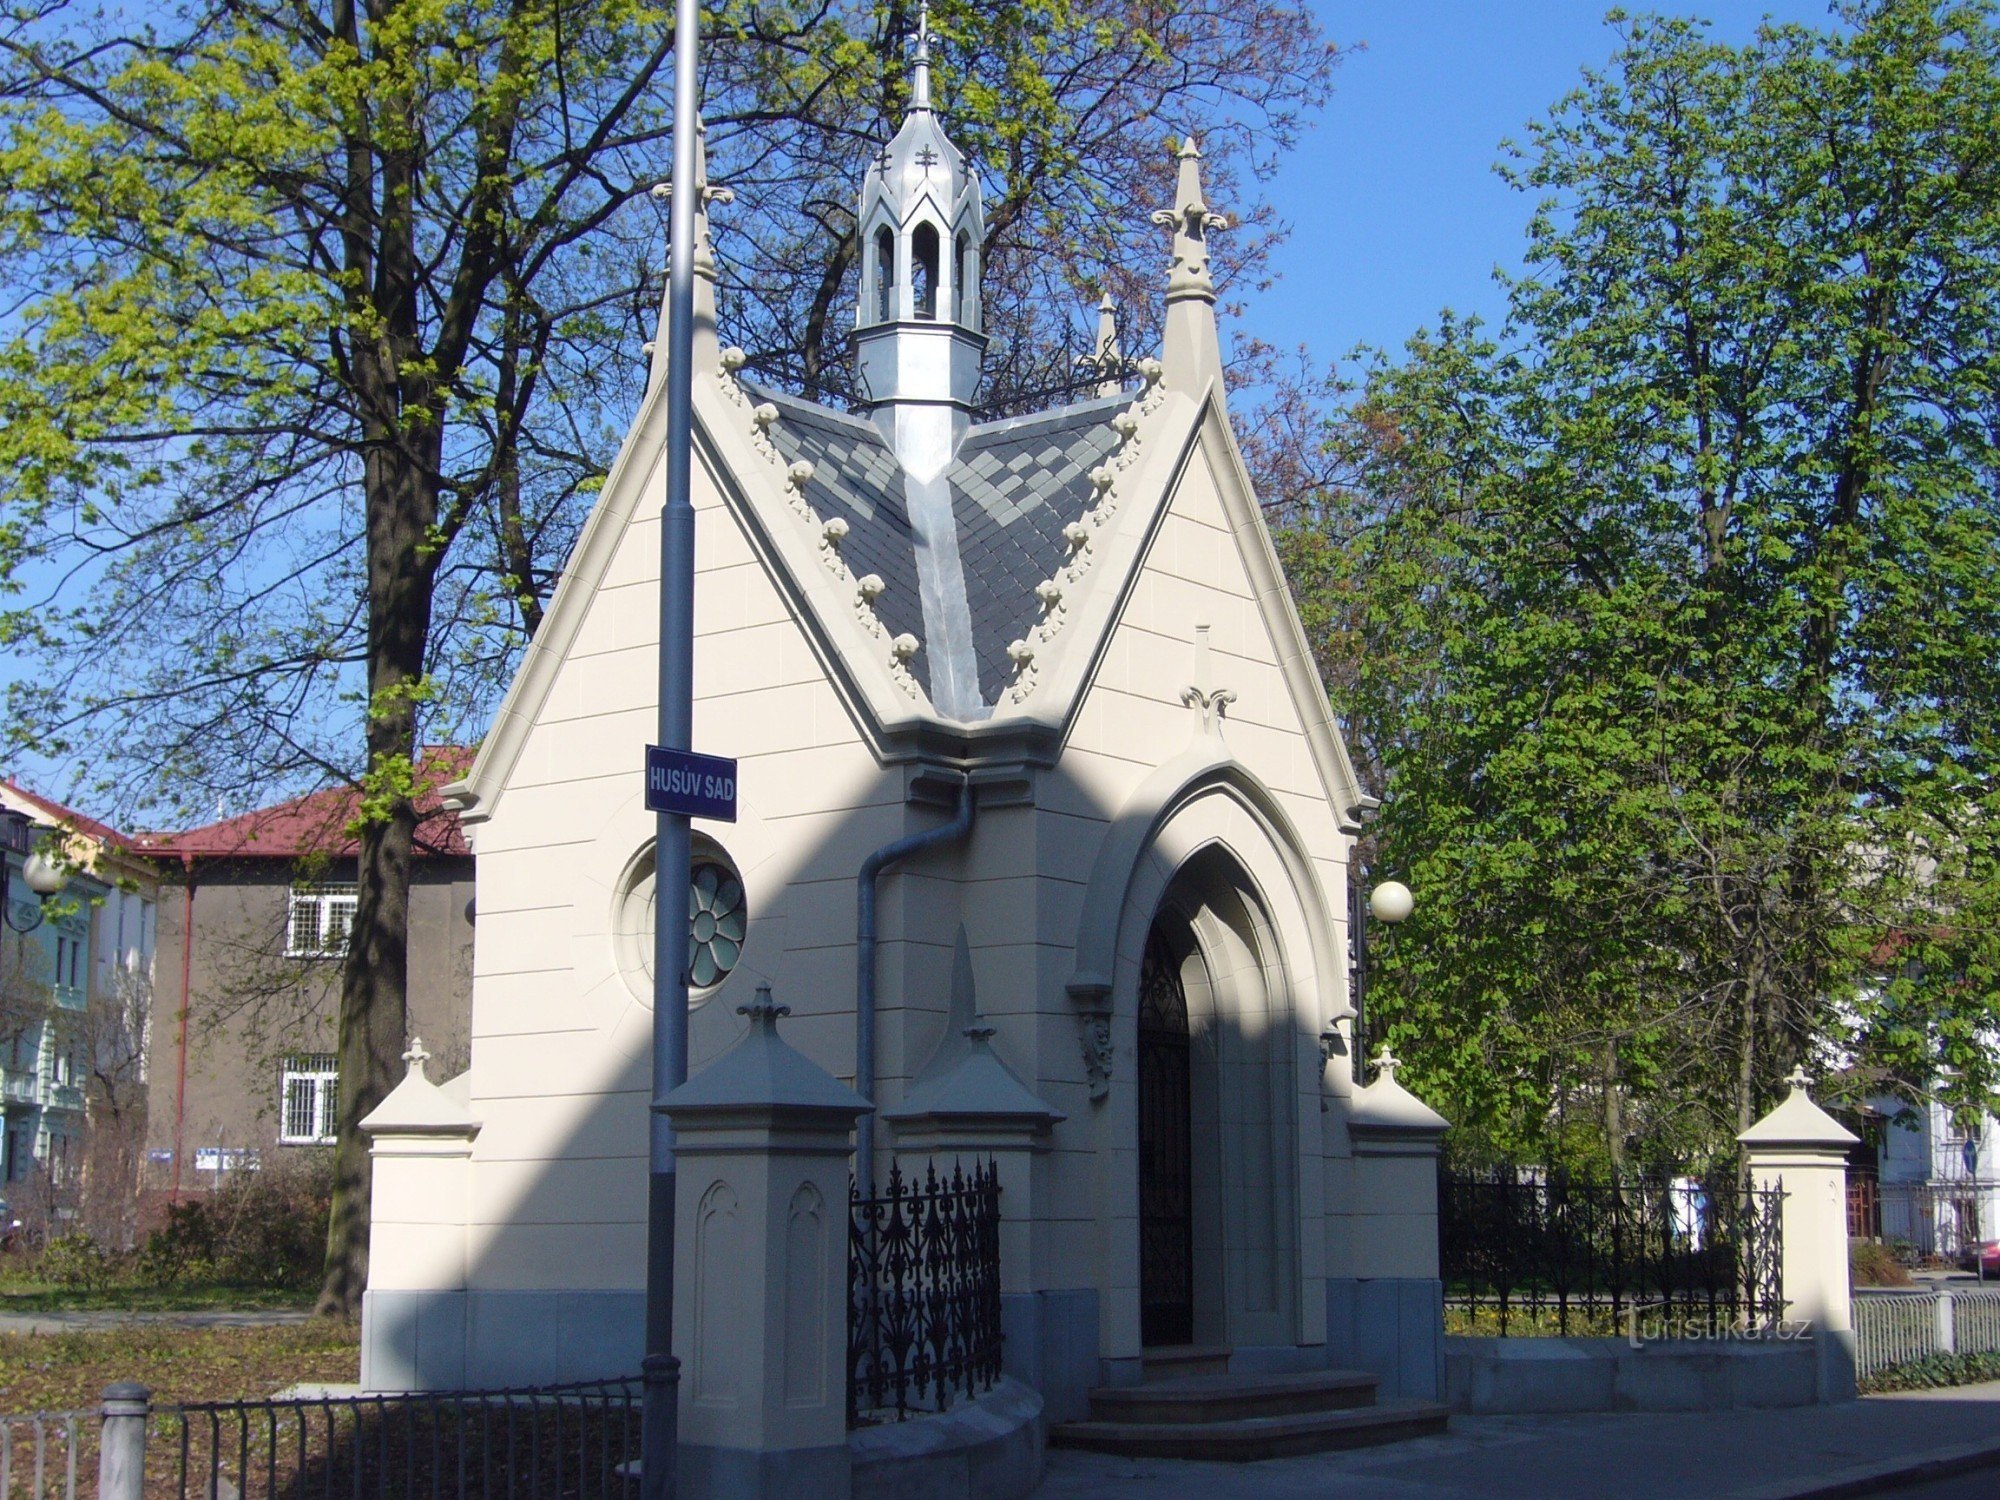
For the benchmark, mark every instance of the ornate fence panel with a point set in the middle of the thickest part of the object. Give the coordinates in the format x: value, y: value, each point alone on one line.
x: 1899, y: 1328
x: 1893, y: 1328
x: 1976, y: 1321
x: 1562, y: 1256
x: 923, y: 1307
x: 42, y: 1452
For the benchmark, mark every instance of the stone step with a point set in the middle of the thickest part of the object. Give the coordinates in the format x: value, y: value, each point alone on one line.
x: 1248, y: 1439
x: 1226, y: 1398
x: 1174, y: 1361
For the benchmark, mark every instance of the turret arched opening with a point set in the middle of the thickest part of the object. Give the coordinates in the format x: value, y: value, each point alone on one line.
x: 885, y: 275
x: 924, y: 271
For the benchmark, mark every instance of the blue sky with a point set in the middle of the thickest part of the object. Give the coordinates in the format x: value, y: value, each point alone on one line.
x: 1394, y: 206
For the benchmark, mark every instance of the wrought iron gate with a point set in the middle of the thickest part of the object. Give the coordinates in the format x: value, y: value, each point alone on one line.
x: 1166, y: 1186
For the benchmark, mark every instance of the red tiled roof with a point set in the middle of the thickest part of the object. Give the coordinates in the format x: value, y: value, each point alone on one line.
x: 317, y: 823
x: 68, y: 817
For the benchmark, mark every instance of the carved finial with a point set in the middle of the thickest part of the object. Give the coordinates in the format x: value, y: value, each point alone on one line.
x: 1203, y: 693
x: 1108, y: 358
x: 979, y: 1033
x: 763, y: 1010
x: 1386, y: 1063
x: 417, y: 1056
x: 704, y: 249
x: 905, y: 648
x: 1190, y: 348
x: 1797, y: 1079
x: 1190, y: 219
x: 920, y: 77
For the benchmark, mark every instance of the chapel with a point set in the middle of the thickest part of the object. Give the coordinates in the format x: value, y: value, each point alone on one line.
x: 1061, y: 645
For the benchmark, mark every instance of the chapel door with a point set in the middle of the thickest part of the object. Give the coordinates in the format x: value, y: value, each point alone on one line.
x: 1166, y: 1189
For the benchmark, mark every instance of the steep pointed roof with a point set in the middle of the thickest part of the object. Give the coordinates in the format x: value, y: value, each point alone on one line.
x: 1016, y: 487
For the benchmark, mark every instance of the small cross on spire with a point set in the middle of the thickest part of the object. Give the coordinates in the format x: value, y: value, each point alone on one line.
x: 1797, y: 1079
x: 1386, y: 1063
x: 416, y: 1057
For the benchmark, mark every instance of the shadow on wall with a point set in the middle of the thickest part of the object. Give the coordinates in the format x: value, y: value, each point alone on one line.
x: 552, y: 1283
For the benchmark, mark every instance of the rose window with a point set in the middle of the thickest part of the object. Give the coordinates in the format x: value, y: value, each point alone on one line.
x: 717, y: 919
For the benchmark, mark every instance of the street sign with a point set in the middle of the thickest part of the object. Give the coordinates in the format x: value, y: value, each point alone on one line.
x: 696, y: 786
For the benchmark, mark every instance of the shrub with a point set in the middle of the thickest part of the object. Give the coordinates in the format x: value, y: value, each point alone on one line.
x: 1870, y: 1263
x: 182, y: 1250
x: 1937, y: 1371
x: 265, y: 1229
x: 75, y: 1261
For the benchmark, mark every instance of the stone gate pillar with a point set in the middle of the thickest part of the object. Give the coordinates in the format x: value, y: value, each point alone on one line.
x: 1802, y: 1149
x: 760, y: 1269
x: 1387, y: 1314
x: 413, y: 1313
x: 979, y: 1108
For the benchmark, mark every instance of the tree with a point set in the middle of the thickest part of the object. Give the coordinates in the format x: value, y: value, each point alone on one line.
x: 1669, y: 613
x: 325, y: 321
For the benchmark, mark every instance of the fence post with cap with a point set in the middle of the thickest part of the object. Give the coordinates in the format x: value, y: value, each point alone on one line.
x: 1802, y: 1150
x: 121, y: 1452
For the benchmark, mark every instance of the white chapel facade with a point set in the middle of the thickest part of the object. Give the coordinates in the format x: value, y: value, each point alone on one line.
x: 1065, y: 641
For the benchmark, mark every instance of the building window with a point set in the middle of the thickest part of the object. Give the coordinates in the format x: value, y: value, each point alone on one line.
x: 308, y: 1099
x: 322, y: 918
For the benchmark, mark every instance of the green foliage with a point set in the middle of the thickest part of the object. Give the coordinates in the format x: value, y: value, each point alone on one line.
x: 1934, y: 1373
x: 1667, y: 614
x: 75, y: 1262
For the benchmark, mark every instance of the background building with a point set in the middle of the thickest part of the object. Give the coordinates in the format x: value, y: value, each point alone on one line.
x: 256, y: 915
x: 76, y: 994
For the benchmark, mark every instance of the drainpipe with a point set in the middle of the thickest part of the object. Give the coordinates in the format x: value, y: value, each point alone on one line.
x: 187, y: 1003
x: 864, y: 980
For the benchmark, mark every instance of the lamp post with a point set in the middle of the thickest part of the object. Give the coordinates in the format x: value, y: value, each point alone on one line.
x: 41, y: 873
x: 1389, y: 902
x: 659, y: 1432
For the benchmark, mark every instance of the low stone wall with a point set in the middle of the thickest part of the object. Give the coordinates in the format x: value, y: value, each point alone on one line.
x: 992, y: 1448
x: 1491, y: 1376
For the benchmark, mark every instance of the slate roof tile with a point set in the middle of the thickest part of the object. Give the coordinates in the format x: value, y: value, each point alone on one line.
x: 1014, y: 486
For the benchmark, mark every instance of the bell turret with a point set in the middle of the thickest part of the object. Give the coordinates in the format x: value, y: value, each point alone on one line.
x: 917, y: 338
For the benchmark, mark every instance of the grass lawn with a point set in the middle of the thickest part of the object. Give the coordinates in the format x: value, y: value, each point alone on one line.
x: 25, y: 1294
x: 69, y: 1371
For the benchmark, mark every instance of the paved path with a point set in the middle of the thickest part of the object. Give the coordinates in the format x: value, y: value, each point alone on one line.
x: 1751, y: 1455
x: 75, y: 1322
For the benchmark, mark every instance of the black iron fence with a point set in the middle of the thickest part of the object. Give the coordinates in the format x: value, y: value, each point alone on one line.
x: 567, y: 1442
x: 1557, y: 1255
x: 923, y: 1294
x: 1937, y: 1219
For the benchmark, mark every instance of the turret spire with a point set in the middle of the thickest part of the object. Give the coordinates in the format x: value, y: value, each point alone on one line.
x: 1191, y: 351
x: 917, y: 338
x: 920, y: 76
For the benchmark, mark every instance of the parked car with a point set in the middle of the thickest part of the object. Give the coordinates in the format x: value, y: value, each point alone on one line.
x: 1983, y: 1258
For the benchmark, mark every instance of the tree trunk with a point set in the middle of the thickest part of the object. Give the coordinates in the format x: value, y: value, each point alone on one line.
x: 1614, y: 1111
x: 374, y: 998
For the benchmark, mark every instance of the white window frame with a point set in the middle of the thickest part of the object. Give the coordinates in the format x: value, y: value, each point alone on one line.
x: 316, y: 912
x: 316, y: 1077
